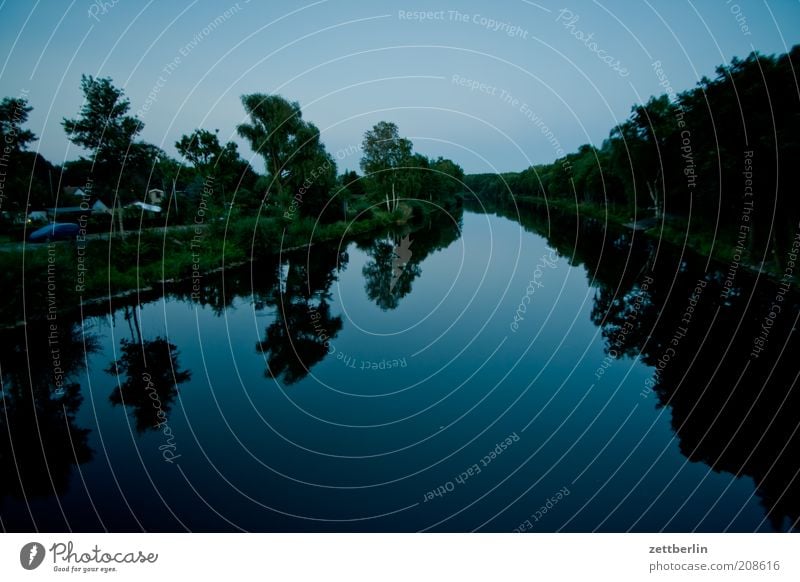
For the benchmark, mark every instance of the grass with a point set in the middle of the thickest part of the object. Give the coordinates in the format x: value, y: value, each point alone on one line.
x: 721, y: 246
x: 63, y: 275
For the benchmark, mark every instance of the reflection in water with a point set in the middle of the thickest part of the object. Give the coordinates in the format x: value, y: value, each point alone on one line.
x: 41, y: 441
x: 218, y: 290
x: 734, y: 408
x: 402, y: 255
x: 298, y: 337
x: 152, y: 375
x: 382, y: 281
x: 296, y: 340
x: 729, y: 391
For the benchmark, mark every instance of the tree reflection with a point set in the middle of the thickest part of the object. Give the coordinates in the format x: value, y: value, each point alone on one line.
x: 395, y: 258
x: 298, y: 337
x: 152, y: 375
x: 732, y: 411
x: 295, y: 341
x: 218, y: 290
x: 386, y: 279
x: 41, y: 441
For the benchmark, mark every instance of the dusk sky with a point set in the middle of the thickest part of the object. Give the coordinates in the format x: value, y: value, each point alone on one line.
x: 351, y: 64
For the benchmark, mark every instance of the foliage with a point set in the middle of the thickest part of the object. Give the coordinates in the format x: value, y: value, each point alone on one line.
x: 395, y: 174
x: 13, y: 114
x: 300, y: 172
x: 221, y: 163
x: 104, y: 128
x: 385, y: 158
x: 681, y: 158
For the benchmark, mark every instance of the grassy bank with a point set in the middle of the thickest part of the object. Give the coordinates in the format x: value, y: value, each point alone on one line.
x: 48, y: 279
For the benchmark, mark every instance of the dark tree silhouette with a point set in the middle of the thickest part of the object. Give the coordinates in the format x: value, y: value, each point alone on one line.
x: 40, y: 442
x: 152, y: 376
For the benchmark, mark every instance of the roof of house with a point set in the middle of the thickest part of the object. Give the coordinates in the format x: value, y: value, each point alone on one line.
x: 76, y: 191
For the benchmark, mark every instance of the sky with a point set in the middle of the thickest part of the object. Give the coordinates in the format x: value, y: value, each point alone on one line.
x: 494, y: 86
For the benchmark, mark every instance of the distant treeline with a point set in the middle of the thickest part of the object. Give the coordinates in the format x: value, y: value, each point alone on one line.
x: 714, y: 159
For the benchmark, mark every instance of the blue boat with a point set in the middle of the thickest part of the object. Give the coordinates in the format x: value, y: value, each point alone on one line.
x: 54, y: 232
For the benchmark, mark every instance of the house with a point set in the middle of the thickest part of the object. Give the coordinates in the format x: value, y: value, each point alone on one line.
x: 74, y: 191
x: 99, y: 207
x: 37, y: 216
x: 155, y: 196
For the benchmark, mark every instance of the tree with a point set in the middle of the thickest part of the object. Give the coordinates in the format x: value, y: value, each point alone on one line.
x: 140, y: 170
x: 349, y: 188
x: 208, y: 156
x: 211, y: 159
x: 201, y: 148
x: 171, y: 175
x: 450, y: 176
x: 353, y: 182
x: 299, y: 169
x: 104, y: 128
x: 440, y: 180
x: 14, y: 113
x: 28, y: 176
x: 311, y: 178
x: 385, y: 156
x: 645, y: 137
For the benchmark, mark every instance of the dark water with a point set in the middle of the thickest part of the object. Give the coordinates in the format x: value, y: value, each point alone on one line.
x: 507, y: 377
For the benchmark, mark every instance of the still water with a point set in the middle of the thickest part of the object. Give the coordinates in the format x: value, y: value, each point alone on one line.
x: 477, y: 372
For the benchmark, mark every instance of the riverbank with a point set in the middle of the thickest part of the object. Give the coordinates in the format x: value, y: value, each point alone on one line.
x: 47, y: 280
x: 720, y: 246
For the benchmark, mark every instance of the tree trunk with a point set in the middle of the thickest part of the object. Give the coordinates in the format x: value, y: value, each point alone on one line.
x: 119, y: 216
x: 652, y: 189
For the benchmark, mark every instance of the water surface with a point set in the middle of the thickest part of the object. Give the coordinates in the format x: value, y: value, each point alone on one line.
x: 543, y: 376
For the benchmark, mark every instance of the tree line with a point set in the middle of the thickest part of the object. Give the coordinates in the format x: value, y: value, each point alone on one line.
x: 694, y: 159
x: 300, y: 172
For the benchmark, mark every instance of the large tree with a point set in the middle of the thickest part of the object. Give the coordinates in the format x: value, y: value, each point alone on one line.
x: 449, y: 176
x: 645, y: 151
x: 385, y: 160
x: 299, y: 169
x: 104, y: 128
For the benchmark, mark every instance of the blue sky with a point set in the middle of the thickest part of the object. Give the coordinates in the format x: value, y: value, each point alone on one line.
x: 482, y: 83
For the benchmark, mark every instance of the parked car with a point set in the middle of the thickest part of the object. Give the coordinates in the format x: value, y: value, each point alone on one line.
x: 54, y: 232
